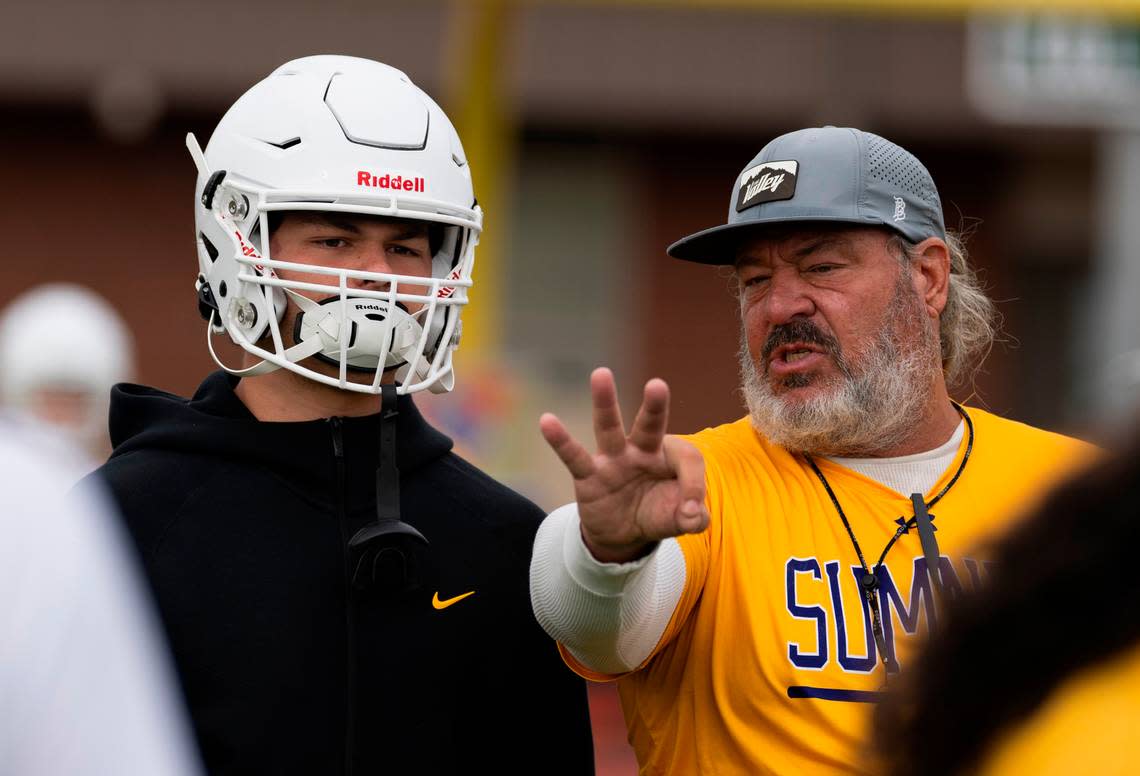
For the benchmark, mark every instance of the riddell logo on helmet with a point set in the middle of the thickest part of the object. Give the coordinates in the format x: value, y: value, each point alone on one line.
x: 248, y: 250
x: 398, y: 182
x: 448, y: 291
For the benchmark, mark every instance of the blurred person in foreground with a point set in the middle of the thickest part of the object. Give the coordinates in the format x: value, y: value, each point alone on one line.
x: 753, y: 587
x: 343, y: 593
x: 1039, y: 672
x: 62, y: 347
x: 86, y: 686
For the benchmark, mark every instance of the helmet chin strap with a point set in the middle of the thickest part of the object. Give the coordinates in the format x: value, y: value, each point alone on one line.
x: 296, y: 353
x: 387, y: 557
x: 361, y: 330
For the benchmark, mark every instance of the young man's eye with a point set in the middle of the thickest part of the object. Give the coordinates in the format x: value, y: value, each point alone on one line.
x: 403, y: 250
x: 332, y: 242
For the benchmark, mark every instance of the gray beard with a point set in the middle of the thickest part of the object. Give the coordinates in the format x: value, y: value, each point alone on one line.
x: 878, y: 400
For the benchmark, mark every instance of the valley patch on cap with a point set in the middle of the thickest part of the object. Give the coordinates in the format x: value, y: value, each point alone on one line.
x: 823, y: 174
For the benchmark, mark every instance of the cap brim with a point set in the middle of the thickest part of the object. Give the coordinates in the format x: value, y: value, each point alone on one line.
x: 719, y: 244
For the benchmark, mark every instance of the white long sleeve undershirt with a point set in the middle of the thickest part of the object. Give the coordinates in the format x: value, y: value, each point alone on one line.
x: 610, y: 616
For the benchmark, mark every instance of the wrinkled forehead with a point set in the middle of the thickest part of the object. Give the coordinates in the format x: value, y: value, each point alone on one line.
x: 789, y: 242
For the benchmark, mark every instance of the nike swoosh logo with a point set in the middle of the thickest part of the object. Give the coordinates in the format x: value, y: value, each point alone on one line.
x: 438, y: 604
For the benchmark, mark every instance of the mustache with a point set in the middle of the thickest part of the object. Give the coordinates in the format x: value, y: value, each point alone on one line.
x: 800, y: 331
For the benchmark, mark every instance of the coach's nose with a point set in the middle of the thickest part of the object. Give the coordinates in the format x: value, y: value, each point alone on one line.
x: 788, y: 298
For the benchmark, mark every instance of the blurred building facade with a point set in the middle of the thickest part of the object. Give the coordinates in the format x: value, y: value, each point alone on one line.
x: 627, y: 125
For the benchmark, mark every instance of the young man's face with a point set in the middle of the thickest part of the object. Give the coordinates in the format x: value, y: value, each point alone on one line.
x: 352, y: 242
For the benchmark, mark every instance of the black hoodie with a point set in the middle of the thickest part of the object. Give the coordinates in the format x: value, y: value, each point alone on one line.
x: 242, y: 526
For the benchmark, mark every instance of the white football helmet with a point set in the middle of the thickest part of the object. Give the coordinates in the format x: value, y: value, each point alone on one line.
x: 64, y: 337
x: 348, y: 135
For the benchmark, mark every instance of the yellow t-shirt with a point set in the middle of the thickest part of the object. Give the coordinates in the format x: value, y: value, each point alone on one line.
x: 769, y: 663
x: 1089, y: 724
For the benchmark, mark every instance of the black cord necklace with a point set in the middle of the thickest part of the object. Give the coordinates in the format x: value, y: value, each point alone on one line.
x: 869, y: 582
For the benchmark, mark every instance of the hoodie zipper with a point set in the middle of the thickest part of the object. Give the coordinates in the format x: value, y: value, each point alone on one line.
x: 335, y: 425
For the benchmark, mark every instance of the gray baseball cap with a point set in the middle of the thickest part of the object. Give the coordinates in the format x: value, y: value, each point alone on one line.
x: 831, y: 174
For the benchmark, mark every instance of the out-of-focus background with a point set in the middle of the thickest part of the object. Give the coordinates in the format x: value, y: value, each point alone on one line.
x: 599, y: 132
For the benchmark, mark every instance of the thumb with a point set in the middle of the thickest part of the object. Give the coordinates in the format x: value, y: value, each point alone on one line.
x: 688, y: 466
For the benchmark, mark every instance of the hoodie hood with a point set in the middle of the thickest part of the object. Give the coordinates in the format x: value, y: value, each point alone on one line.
x: 215, y: 423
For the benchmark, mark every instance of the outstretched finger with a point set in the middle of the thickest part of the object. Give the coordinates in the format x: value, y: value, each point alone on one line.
x: 609, y: 430
x: 575, y: 457
x: 652, y: 418
x: 688, y: 466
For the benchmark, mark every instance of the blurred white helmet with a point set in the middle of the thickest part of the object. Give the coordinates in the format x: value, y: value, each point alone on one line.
x: 63, y: 339
x: 346, y: 135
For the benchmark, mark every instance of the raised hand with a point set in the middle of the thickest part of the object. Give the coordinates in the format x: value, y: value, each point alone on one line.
x: 637, y: 489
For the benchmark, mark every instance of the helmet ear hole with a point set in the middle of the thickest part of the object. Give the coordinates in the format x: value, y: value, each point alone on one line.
x: 211, y: 249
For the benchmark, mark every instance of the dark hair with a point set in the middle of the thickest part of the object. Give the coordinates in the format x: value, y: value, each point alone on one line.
x: 1064, y: 579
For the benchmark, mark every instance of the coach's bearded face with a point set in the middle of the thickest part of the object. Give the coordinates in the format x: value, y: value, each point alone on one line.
x: 868, y: 403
